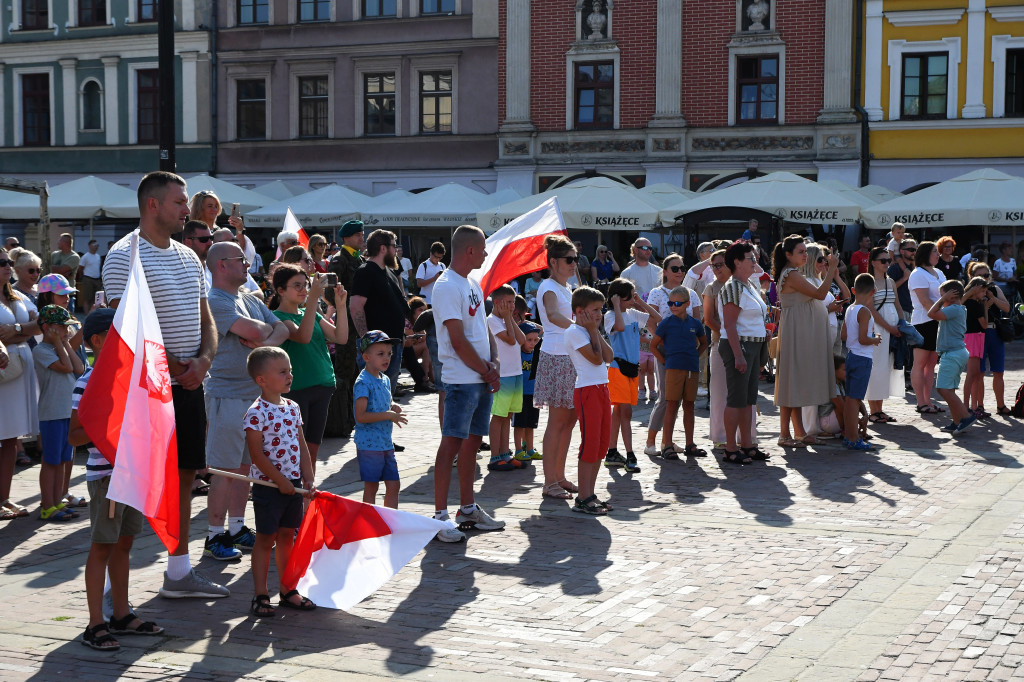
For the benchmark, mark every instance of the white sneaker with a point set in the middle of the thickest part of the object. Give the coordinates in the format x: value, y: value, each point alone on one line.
x: 654, y: 396
x: 477, y: 520
x: 702, y: 392
x: 652, y: 450
x: 642, y: 395
x: 451, y: 533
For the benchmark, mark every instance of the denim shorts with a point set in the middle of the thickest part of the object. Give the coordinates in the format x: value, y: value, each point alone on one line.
x: 377, y: 465
x: 995, y: 353
x: 858, y: 374
x: 467, y: 410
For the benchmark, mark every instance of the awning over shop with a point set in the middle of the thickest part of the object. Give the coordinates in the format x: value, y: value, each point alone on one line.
x: 326, y: 207
x: 80, y: 199
x: 228, y: 194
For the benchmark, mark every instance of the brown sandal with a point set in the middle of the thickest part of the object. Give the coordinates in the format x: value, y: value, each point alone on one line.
x: 555, y: 491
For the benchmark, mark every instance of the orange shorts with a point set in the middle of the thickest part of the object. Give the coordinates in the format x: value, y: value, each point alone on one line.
x: 681, y: 384
x: 622, y: 389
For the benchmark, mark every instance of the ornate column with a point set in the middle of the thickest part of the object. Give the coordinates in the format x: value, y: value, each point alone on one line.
x: 974, y: 104
x: 111, y: 119
x: 189, y: 105
x: 838, y: 62
x: 873, y: 60
x: 70, y: 97
x: 669, y: 66
x: 517, y: 67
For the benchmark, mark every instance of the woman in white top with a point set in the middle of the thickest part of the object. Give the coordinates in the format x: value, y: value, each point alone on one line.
x: 672, y: 274
x: 1004, y: 270
x: 924, y: 285
x: 885, y: 381
x: 556, y: 376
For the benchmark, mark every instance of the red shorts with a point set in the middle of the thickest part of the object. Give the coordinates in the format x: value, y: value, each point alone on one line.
x: 594, y: 412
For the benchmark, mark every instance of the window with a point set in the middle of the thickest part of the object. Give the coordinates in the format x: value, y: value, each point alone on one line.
x: 92, y: 12
x: 148, y: 120
x: 35, y: 108
x: 92, y: 106
x: 146, y: 10
x: 1014, y: 83
x: 375, y: 9
x: 379, y: 109
x: 435, y: 102
x: 924, y: 86
x: 313, y: 106
x: 35, y: 14
x: 757, y: 85
x: 251, y: 109
x: 437, y: 6
x: 253, y: 11
x: 314, y: 10
x: 595, y: 95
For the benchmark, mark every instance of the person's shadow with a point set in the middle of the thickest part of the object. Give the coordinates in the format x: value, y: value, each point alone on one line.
x: 759, y: 489
x: 566, y: 551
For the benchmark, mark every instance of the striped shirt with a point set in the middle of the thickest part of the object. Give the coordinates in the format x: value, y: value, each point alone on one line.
x: 750, y: 322
x: 176, y: 282
x: 97, y: 466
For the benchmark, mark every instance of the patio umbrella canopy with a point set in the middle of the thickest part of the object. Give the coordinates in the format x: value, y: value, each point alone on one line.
x: 328, y: 206
x: 781, y: 194
x: 79, y: 199
x: 227, y: 193
x: 281, y: 189
x: 664, y: 195
x: 448, y: 205
x: 851, y: 193
x: 981, y: 197
x: 878, y: 193
x: 590, y: 204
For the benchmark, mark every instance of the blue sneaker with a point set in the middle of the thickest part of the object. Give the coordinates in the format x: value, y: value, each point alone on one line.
x: 860, y: 444
x: 951, y: 427
x: 244, y: 539
x: 220, y: 547
x: 967, y: 421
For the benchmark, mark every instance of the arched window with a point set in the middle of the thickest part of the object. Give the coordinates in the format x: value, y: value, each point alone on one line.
x: 92, y: 105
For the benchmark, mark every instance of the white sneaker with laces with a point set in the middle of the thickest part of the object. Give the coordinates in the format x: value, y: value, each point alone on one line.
x: 702, y: 392
x: 451, y: 533
x: 652, y: 450
x: 478, y: 519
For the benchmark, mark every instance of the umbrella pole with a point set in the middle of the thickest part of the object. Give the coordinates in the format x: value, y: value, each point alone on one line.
x: 90, y: 227
x: 985, y: 239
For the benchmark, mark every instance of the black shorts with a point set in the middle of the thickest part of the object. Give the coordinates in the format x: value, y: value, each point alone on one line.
x: 930, y: 331
x: 190, y: 427
x: 313, y: 402
x: 274, y: 511
x: 528, y: 417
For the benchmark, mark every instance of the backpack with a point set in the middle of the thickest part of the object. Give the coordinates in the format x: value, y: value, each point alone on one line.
x: 1018, y: 404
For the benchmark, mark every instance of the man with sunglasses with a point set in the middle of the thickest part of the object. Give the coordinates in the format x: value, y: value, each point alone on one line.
x: 899, y: 272
x: 644, y: 274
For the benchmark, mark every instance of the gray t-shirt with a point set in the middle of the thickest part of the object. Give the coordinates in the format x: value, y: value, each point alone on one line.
x: 55, y: 388
x: 228, y: 376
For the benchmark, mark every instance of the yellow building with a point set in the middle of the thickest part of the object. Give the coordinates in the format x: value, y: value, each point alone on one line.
x: 943, y: 88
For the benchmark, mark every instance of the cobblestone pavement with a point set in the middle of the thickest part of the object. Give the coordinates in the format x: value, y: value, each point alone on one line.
x: 818, y: 565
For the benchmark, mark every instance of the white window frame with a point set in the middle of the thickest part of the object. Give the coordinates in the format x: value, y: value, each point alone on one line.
x: 133, y: 12
x: 758, y: 50
x: 898, y: 48
x: 302, y: 69
x: 232, y: 17
x: 365, y: 66
x: 414, y: 9
x: 244, y: 72
x: 73, y: 14
x: 570, y: 84
x: 81, y: 106
x: 133, y: 97
x: 16, y: 18
x: 17, y: 73
x: 447, y: 63
x: 1000, y: 44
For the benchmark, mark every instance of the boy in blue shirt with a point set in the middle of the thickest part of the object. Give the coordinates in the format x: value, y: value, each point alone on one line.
x: 375, y: 413
x: 525, y: 421
x: 678, y: 342
x: 952, y: 350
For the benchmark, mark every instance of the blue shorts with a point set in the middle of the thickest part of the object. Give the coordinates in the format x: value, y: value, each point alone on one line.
x: 509, y: 398
x: 995, y: 352
x: 54, y: 436
x: 467, y: 410
x: 377, y: 465
x: 952, y: 364
x: 858, y: 373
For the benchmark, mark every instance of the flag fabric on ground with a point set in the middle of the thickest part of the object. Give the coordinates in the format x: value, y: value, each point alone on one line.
x: 127, y: 410
x: 518, y: 248
x: 292, y: 224
x: 347, y: 549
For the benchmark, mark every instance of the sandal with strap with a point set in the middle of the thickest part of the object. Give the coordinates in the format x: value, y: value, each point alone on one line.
x: 555, y: 491
x: 568, y: 486
x: 736, y: 457
x: 1004, y: 410
x: 928, y: 409
x: 75, y: 501
x: 499, y: 463
x: 7, y: 514
x: 693, y: 451
x: 591, y: 506
x: 18, y: 509
x: 119, y: 626
x: 791, y: 443
x: 755, y: 453
x: 105, y: 642
x: 261, y: 606
x: 305, y: 604
x: 669, y: 452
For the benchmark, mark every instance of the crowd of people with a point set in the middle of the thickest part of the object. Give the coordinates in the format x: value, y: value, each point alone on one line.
x: 267, y: 358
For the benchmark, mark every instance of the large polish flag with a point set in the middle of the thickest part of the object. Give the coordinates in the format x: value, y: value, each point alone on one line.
x: 292, y: 224
x: 347, y: 549
x: 127, y: 410
x: 518, y: 248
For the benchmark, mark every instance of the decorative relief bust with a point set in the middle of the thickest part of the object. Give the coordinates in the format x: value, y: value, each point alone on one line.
x: 757, y: 12
x: 597, y: 21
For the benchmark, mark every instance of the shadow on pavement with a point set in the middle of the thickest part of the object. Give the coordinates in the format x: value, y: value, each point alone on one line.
x: 839, y: 475
x: 554, y: 559
x: 759, y: 490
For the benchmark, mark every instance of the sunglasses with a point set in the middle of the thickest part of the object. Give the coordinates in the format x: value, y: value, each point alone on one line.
x: 676, y: 268
x: 204, y: 240
x: 677, y: 304
x: 603, y: 251
x: 6, y: 263
x: 822, y: 259
x: 717, y: 266
x: 909, y: 250
x: 884, y: 260
x: 241, y: 258
x: 645, y: 248
x: 571, y: 259
x: 33, y: 271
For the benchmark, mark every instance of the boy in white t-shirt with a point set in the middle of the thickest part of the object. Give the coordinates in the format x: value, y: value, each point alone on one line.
x: 860, y: 340
x: 509, y: 398
x: 590, y: 353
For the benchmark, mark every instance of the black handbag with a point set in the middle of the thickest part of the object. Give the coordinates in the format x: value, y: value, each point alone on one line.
x: 630, y: 370
x: 1004, y: 327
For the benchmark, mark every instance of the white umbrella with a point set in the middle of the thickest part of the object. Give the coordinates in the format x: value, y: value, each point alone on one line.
x: 227, y: 193
x: 329, y: 206
x: 448, y: 205
x: 981, y: 197
x: 878, y: 193
x: 664, y: 195
x: 281, y: 189
x: 781, y: 194
x: 852, y: 193
x: 79, y: 199
x: 590, y: 204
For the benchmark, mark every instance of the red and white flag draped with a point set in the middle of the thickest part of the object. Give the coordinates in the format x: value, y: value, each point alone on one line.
x: 127, y: 411
x: 292, y: 224
x: 518, y: 248
x: 347, y: 549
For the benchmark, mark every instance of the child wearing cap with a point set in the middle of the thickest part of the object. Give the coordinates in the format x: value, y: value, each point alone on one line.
x: 57, y: 364
x: 375, y: 412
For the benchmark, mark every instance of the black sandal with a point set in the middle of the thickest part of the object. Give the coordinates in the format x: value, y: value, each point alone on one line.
x: 105, y: 642
x: 304, y: 605
x: 736, y: 457
x: 591, y: 506
x: 693, y: 451
x: 261, y: 606
x: 669, y: 452
x: 119, y: 626
x: 755, y: 453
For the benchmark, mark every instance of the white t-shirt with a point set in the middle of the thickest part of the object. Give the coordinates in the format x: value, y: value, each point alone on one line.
x: 457, y: 298
x: 922, y: 279
x: 658, y: 298
x: 406, y: 267
x: 587, y: 373
x: 426, y: 271
x: 90, y: 264
x: 894, y: 248
x: 645, y: 277
x: 553, y: 334
x: 509, y: 355
x: 249, y: 287
x: 965, y: 259
x: 1005, y: 270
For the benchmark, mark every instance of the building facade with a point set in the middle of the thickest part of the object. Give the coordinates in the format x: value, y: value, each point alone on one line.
x: 943, y: 88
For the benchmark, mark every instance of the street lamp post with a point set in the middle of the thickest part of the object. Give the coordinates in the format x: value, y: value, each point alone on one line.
x: 165, y: 50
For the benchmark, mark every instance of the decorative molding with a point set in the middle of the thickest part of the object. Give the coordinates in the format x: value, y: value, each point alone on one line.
x: 757, y: 44
x: 136, y: 46
x: 1008, y: 13
x: 605, y: 50
x: 764, y: 143
x: 950, y: 124
x: 873, y: 61
x: 925, y: 17
x: 665, y: 144
x: 1000, y: 44
x: 897, y: 48
x: 17, y: 100
x: 839, y: 141
x: 515, y: 148
x: 594, y: 147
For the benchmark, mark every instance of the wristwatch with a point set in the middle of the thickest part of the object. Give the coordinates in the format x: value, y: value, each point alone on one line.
x: 17, y: 327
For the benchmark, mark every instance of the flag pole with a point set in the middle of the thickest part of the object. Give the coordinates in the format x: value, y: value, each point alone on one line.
x: 240, y: 477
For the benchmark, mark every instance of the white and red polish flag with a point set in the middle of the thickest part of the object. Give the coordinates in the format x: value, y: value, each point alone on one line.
x: 127, y: 410
x: 292, y: 224
x: 518, y: 248
x: 347, y: 549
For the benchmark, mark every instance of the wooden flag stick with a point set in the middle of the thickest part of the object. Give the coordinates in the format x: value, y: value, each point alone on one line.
x: 240, y: 477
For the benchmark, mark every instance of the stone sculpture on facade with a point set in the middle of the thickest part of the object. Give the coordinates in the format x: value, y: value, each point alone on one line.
x: 597, y: 21
x: 757, y: 12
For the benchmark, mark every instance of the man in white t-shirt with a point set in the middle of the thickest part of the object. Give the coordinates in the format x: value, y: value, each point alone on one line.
x: 91, y: 279
x: 644, y: 274
x: 429, y: 271
x: 470, y: 374
x: 406, y: 265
